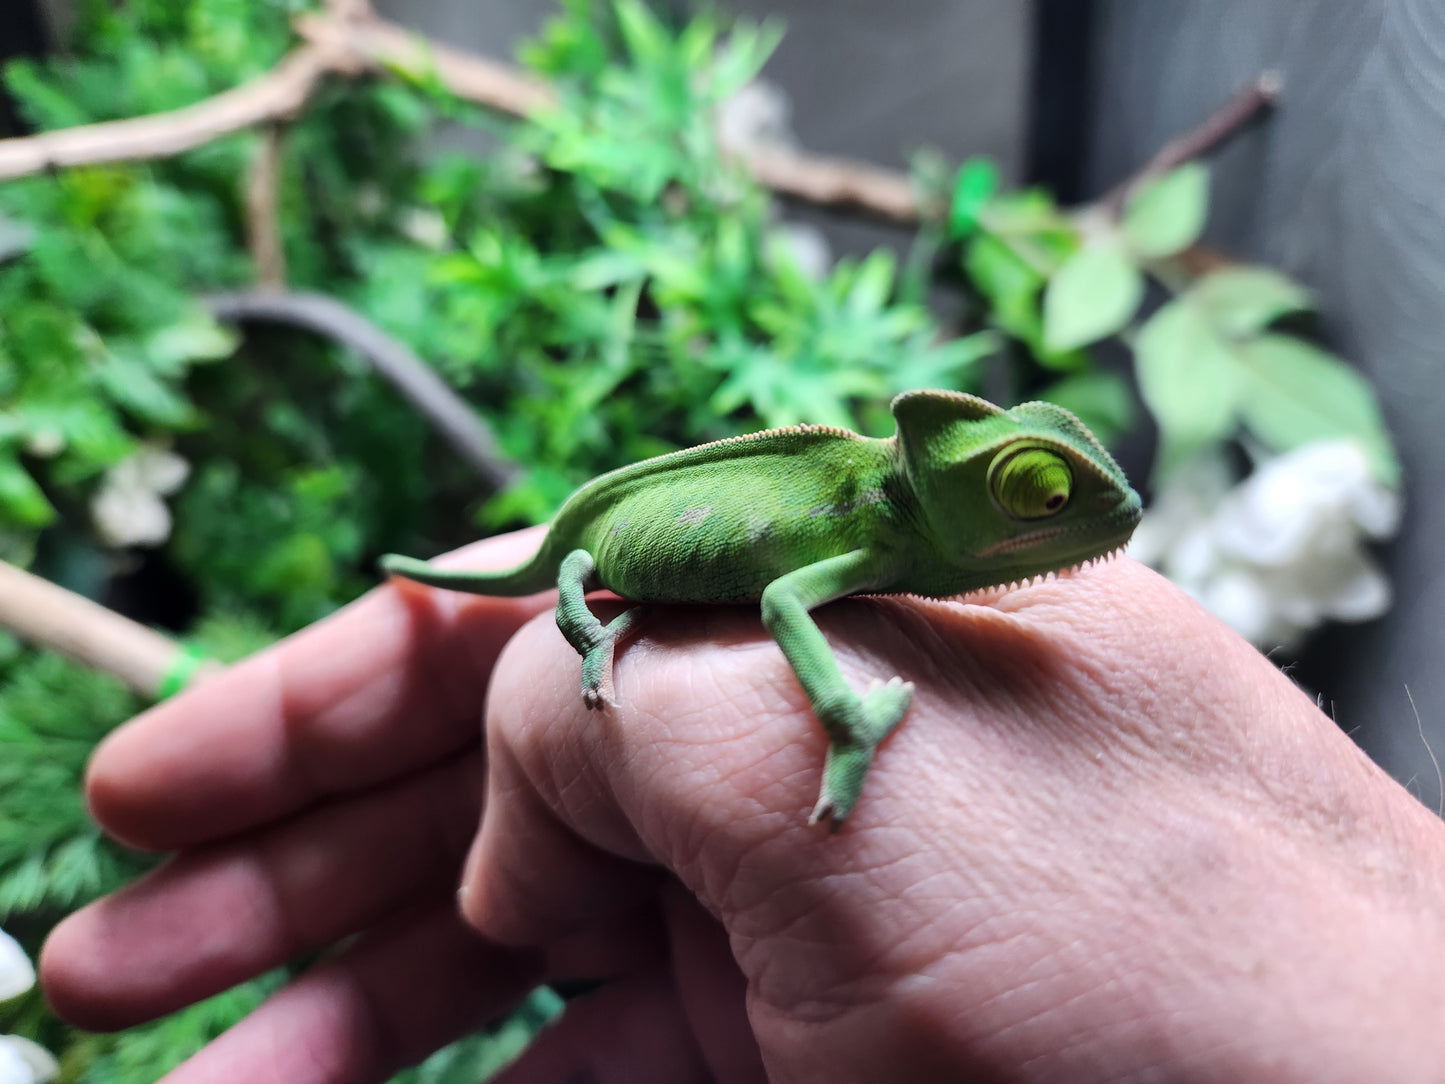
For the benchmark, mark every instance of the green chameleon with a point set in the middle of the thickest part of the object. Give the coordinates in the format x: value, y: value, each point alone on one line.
x: 966, y: 495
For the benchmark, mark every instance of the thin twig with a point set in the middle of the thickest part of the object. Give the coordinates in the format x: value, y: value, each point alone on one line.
x: 449, y: 414
x: 263, y: 218
x: 1228, y: 120
x: 379, y: 46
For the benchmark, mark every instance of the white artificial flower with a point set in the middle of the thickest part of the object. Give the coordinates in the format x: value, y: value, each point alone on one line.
x: 21, y: 1061
x: 808, y: 246
x: 1282, y: 551
x: 45, y: 443
x: 25, y: 1062
x: 16, y: 974
x: 757, y: 115
x: 128, y: 509
x: 425, y: 226
x: 370, y: 199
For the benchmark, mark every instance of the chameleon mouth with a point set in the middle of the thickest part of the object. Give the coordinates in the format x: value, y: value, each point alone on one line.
x: 1123, y: 523
x: 1023, y: 541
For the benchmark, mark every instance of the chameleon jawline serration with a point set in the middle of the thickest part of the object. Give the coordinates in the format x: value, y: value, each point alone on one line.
x: 966, y: 495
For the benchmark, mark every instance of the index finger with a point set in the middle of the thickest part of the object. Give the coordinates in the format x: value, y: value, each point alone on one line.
x: 389, y: 684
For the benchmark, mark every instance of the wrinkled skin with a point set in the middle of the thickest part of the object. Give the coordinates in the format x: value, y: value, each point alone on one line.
x: 1110, y: 842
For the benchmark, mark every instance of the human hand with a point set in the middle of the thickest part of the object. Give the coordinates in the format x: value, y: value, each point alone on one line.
x: 1109, y: 841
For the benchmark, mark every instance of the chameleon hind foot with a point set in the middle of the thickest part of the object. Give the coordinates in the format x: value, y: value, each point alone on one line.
x: 850, y: 754
x: 598, y: 658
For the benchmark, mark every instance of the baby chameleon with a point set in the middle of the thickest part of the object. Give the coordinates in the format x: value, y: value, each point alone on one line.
x: 965, y: 495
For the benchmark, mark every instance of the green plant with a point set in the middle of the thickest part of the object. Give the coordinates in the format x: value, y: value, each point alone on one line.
x: 604, y: 284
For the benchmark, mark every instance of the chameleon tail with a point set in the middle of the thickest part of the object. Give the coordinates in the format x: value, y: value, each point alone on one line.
x: 537, y: 574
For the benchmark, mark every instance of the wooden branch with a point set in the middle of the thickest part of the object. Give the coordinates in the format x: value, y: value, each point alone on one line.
x: 378, y: 46
x: 838, y: 183
x: 1224, y: 123
x: 48, y: 615
x: 280, y: 94
x: 448, y: 413
x: 263, y: 216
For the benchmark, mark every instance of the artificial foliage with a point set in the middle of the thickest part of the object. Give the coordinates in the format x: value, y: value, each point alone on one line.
x: 602, y: 284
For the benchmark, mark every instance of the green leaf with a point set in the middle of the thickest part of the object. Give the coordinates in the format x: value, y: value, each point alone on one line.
x: 1188, y: 377
x: 647, y: 40
x: 975, y: 185
x: 1094, y: 294
x: 1167, y: 214
x: 1243, y: 300
x: 21, y: 501
x: 873, y: 283
x: 1295, y: 393
x: 130, y: 383
x: 1001, y: 275
x: 195, y: 337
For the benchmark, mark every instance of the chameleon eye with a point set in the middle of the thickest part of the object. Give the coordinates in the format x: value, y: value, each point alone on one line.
x: 1032, y: 483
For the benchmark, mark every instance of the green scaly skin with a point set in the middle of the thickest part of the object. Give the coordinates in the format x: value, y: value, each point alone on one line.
x: 964, y: 496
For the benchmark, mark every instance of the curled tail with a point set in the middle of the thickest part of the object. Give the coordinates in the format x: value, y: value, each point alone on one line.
x: 536, y: 574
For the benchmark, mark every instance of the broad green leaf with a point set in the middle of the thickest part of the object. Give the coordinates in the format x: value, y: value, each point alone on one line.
x: 1168, y: 213
x: 1243, y: 300
x: 1295, y: 393
x: 195, y: 337
x: 975, y: 185
x: 1094, y: 294
x: 1188, y: 377
x: 1001, y: 275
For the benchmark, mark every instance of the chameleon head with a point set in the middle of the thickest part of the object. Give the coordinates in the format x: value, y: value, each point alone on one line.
x: 1009, y: 494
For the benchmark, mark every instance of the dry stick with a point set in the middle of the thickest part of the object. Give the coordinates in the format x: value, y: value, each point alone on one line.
x: 263, y: 218
x: 1225, y: 122
x: 468, y: 436
x: 46, y: 614
x: 279, y: 94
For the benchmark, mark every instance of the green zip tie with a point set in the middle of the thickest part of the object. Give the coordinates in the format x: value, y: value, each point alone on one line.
x: 188, y: 661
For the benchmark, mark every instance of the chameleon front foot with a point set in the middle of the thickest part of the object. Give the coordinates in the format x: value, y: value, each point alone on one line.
x: 850, y: 752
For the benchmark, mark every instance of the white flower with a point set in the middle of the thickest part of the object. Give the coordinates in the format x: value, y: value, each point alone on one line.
x: 16, y: 974
x: 127, y: 509
x: 370, y: 199
x: 808, y: 247
x: 45, y: 443
x: 21, y: 1061
x: 25, y: 1062
x: 425, y: 226
x: 756, y: 115
x: 1281, y: 552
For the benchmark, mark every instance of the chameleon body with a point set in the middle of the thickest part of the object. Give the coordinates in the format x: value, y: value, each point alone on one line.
x: 964, y: 496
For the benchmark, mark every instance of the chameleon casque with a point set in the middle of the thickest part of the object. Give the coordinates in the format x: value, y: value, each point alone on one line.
x: 966, y: 495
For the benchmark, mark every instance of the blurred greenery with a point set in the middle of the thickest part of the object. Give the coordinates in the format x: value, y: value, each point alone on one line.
x: 602, y: 285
